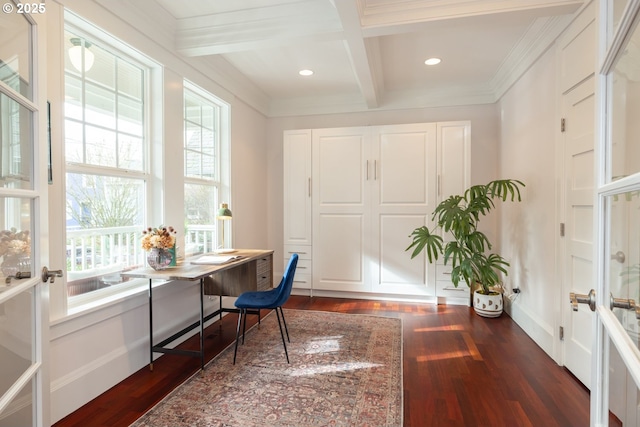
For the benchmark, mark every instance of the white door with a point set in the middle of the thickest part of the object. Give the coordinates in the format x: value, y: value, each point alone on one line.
x: 578, y: 272
x: 577, y: 62
x: 24, y: 315
x: 343, y: 172
x: 617, y: 222
x: 404, y: 195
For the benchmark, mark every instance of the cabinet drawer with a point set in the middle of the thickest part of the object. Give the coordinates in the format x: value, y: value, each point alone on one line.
x: 302, y: 281
x: 303, y: 251
x: 303, y: 267
x: 445, y: 288
x: 443, y: 272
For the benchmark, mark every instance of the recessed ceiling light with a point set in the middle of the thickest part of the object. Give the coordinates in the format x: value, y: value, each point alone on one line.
x: 432, y: 61
x: 305, y: 72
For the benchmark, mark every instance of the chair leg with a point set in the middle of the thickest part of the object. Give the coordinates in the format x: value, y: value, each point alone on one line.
x: 282, y: 335
x: 235, y: 352
x: 244, y: 324
x: 285, y: 323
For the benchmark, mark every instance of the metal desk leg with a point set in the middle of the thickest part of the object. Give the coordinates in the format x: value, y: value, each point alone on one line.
x: 202, y: 323
x: 150, y: 325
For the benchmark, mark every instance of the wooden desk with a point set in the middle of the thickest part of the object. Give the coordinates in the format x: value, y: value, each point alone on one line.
x: 231, y: 278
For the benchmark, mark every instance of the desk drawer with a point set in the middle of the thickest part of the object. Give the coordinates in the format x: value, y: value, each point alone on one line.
x: 264, y: 273
x: 447, y: 289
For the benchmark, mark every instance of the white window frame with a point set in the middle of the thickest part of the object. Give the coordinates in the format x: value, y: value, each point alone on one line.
x: 152, y: 112
x: 221, y: 180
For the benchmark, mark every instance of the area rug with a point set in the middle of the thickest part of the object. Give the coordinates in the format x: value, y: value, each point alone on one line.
x: 345, y: 370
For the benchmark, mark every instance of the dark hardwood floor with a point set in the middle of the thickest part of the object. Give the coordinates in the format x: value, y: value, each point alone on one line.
x: 459, y: 370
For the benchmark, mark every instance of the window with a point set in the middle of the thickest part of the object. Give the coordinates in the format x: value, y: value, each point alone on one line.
x: 202, y: 169
x: 106, y: 146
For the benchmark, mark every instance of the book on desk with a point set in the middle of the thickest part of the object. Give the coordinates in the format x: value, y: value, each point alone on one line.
x: 216, y: 259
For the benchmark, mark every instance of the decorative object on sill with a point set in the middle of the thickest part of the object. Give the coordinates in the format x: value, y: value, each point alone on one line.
x: 159, y: 242
x: 224, y: 214
x: 159, y: 259
x: 174, y: 256
x: 15, y: 249
x: 458, y: 239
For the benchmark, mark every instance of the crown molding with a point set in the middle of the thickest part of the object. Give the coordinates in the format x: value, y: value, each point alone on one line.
x: 541, y: 36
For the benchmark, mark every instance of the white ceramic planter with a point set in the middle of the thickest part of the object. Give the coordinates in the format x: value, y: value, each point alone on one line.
x: 487, y: 305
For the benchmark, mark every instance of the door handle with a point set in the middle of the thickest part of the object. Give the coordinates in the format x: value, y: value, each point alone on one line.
x: 50, y: 275
x: 576, y: 299
x: 619, y: 256
x: 626, y: 304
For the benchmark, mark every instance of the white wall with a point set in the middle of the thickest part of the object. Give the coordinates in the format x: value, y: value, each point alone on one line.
x: 485, y: 134
x: 527, y: 152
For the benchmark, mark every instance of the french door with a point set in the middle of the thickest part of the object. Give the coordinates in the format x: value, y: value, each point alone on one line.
x: 24, y: 315
x: 615, y: 395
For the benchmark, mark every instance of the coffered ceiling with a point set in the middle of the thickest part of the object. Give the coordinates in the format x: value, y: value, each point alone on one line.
x: 365, y: 54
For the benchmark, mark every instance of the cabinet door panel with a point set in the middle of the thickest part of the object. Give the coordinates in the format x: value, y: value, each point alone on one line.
x: 403, y: 169
x: 339, y: 263
x: 297, y: 191
x: 341, y: 206
x: 404, y: 195
x: 340, y: 163
x: 397, y: 272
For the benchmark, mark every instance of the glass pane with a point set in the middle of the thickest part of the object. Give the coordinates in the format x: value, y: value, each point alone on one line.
x: 100, y: 106
x: 192, y: 109
x: 16, y: 144
x: 100, y: 146
x: 625, y: 131
x: 15, y: 55
x: 130, y: 151
x: 73, y: 147
x: 73, y: 97
x: 130, y: 80
x: 624, y: 256
x: 16, y: 346
x: 20, y: 410
x: 130, y: 116
x: 192, y: 164
x: 104, y: 225
x: 200, y: 203
x: 624, y: 395
x: 618, y: 8
x: 103, y: 70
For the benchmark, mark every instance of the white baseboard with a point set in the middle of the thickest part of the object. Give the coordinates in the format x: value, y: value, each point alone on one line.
x: 536, y: 328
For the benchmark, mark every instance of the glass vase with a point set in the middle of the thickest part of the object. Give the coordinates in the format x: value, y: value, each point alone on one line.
x: 159, y: 259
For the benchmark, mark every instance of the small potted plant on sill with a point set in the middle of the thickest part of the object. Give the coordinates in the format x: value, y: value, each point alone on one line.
x: 466, y: 248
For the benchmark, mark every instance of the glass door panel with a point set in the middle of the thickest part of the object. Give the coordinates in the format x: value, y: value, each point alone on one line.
x: 625, y: 105
x: 15, y: 55
x: 624, y: 259
x: 624, y: 395
x: 20, y: 410
x: 16, y: 144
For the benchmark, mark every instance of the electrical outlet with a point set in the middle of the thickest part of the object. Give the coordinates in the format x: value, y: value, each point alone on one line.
x: 516, y: 290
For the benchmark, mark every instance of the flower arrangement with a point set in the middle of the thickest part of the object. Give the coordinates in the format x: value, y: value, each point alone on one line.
x: 15, y: 243
x: 160, y: 237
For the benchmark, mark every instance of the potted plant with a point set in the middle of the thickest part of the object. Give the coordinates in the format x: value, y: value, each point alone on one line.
x: 465, y: 247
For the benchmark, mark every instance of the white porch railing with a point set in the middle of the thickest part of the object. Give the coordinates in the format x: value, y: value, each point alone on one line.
x: 93, y: 253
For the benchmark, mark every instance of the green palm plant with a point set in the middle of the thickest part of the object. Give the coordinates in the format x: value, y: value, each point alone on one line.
x: 466, y: 247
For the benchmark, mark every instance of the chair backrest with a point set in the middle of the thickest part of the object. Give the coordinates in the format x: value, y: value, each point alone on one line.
x: 286, y: 284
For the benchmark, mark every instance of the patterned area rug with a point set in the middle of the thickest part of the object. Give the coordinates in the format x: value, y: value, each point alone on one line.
x: 346, y: 370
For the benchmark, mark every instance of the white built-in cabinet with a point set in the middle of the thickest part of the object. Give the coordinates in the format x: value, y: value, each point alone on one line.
x: 353, y: 195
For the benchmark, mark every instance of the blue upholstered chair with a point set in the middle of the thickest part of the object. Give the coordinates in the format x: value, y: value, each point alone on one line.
x: 252, y: 302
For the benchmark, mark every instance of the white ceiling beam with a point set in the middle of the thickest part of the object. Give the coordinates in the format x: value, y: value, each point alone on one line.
x: 377, y: 13
x: 364, y: 55
x: 259, y: 28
